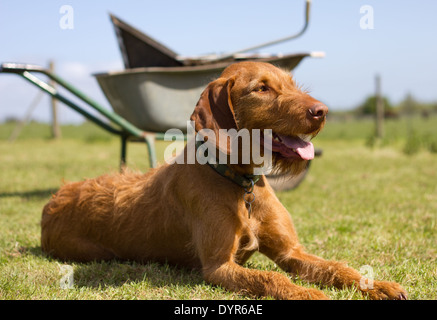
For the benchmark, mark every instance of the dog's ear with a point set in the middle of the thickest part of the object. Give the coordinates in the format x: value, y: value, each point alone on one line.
x: 214, y: 110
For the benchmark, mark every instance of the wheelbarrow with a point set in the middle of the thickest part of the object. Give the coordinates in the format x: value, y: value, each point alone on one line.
x: 152, y: 129
x: 149, y: 100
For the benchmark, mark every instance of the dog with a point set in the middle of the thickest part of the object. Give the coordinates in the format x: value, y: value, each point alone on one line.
x: 198, y: 216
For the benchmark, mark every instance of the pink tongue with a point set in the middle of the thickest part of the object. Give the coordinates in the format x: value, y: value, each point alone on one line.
x: 304, y: 149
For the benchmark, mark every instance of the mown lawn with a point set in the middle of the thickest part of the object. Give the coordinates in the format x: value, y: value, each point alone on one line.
x: 372, y: 207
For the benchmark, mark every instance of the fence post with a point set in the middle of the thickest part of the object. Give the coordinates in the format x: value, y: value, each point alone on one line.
x: 56, y: 131
x: 379, y: 108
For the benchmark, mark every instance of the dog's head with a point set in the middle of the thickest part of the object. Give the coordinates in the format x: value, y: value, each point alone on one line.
x: 256, y: 95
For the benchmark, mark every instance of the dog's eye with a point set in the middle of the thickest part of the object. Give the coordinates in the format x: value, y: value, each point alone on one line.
x: 262, y: 88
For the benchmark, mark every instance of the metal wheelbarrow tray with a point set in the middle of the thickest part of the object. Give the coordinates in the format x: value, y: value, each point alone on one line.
x: 156, y: 99
x: 159, y: 89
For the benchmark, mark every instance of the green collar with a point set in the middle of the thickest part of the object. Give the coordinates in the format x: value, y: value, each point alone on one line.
x: 245, y: 181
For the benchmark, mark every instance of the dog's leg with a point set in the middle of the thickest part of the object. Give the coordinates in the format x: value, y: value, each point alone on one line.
x: 217, y: 245
x: 258, y: 283
x: 279, y: 242
x: 339, y: 275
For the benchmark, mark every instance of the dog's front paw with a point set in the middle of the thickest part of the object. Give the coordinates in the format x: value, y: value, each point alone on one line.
x: 301, y: 293
x: 314, y: 294
x: 384, y: 290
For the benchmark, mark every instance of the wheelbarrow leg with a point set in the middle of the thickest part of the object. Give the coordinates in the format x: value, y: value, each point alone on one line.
x: 123, y: 152
x: 149, y: 139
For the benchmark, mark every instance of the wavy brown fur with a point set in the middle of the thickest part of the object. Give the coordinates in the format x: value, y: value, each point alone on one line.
x: 189, y: 215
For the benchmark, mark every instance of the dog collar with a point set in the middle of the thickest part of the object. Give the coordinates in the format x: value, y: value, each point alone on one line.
x: 246, y: 181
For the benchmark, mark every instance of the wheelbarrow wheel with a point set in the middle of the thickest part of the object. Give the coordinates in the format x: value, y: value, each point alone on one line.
x: 282, y: 182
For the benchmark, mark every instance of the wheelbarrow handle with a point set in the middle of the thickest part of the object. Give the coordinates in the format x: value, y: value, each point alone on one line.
x: 128, y: 129
x: 25, y: 71
x: 11, y: 67
x: 267, y: 44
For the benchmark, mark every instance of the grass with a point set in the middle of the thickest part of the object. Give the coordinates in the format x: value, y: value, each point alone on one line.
x: 367, y: 206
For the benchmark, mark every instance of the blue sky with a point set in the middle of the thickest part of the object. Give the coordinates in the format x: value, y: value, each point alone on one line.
x: 402, y: 46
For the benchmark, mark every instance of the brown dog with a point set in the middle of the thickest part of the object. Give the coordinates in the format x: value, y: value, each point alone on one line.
x: 195, y: 216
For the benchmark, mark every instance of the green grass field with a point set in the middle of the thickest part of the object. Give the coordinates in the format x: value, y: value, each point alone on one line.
x: 372, y: 207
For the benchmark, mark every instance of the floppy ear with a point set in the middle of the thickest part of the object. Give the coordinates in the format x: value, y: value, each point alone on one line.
x: 214, y: 110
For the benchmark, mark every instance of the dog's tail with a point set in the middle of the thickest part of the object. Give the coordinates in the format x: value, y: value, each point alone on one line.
x: 65, y: 197
x: 62, y: 203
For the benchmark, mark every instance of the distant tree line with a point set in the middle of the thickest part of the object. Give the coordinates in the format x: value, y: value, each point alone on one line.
x: 407, y: 107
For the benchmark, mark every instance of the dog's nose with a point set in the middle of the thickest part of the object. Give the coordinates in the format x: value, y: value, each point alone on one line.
x: 318, y: 111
